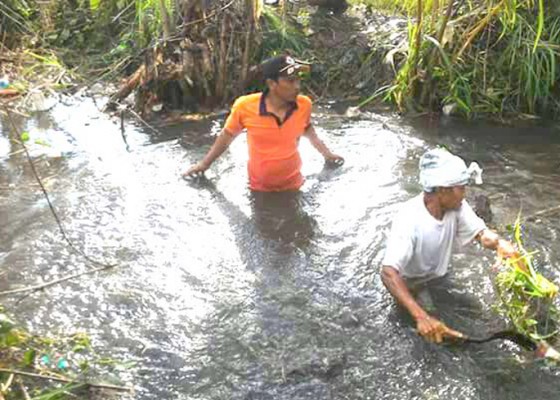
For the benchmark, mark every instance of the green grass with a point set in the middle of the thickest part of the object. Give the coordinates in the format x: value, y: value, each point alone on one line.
x: 526, y: 296
x: 281, y: 33
x: 499, y: 57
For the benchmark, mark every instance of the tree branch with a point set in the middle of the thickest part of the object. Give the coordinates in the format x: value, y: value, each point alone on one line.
x: 51, y: 283
x: 66, y: 380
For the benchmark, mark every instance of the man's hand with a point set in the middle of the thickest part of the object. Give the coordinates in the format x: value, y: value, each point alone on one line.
x: 196, y: 170
x: 330, y: 158
x: 220, y: 145
x: 491, y: 240
x: 506, y: 249
x: 334, y: 159
x: 430, y: 328
x: 433, y: 330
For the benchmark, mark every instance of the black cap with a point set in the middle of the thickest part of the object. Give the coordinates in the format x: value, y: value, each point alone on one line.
x: 284, y: 65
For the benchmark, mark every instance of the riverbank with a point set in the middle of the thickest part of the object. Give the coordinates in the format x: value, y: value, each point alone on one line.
x: 374, y: 54
x: 347, y: 51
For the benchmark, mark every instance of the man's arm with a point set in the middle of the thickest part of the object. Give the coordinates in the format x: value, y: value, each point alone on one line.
x: 397, y: 287
x: 320, y: 146
x: 430, y: 328
x: 220, y: 145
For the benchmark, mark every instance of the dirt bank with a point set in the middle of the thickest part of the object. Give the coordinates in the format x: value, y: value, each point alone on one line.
x: 199, y: 73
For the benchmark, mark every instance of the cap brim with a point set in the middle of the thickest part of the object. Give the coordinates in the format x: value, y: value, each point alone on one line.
x: 292, y: 70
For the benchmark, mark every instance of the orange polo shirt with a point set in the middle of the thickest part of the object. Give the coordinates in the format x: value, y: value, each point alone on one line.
x: 274, y: 161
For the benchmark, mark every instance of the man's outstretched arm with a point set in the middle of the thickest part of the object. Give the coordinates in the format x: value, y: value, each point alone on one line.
x: 220, y: 145
x: 505, y: 249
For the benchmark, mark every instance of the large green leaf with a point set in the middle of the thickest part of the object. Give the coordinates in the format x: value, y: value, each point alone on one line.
x: 94, y: 4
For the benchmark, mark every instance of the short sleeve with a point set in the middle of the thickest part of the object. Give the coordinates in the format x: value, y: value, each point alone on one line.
x: 307, y: 105
x: 400, y: 244
x: 468, y: 225
x: 234, y: 122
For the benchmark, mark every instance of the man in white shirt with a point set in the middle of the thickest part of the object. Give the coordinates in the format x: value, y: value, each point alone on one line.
x: 427, y: 230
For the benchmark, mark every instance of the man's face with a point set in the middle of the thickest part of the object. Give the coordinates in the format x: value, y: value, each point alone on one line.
x: 286, y: 88
x: 450, y: 198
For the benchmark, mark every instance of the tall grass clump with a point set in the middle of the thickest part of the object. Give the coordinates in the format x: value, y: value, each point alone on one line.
x: 280, y: 33
x: 478, y: 57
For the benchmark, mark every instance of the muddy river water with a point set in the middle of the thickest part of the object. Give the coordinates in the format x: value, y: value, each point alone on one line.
x: 219, y: 294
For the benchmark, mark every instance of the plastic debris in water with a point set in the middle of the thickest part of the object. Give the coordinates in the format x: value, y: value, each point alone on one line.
x: 475, y: 173
x: 45, y: 360
x: 352, y: 112
x: 449, y: 109
x: 36, y: 101
x: 546, y: 351
x: 62, y: 363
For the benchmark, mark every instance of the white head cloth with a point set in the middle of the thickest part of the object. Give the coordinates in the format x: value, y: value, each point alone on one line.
x: 440, y: 168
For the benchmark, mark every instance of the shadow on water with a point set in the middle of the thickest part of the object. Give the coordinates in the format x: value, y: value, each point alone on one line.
x: 256, y: 347
x: 275, y: 215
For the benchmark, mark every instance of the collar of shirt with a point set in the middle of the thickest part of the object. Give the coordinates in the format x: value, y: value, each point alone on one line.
x: 264, y: 112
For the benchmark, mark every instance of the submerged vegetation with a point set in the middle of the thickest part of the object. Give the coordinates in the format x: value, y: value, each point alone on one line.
x: 527, y: 298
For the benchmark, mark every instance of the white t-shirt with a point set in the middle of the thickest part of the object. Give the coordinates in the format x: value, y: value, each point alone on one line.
x: 420, y: 246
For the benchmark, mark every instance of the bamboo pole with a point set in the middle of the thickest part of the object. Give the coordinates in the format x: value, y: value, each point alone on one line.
x: 413, y: 71
x: 543, y: 212
x: 222, y: 59
x: 165, y: 20
x: 252, y: 6
x: 22, y: 389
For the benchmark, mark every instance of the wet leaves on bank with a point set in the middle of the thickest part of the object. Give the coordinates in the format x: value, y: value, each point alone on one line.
x: 46, y: 368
